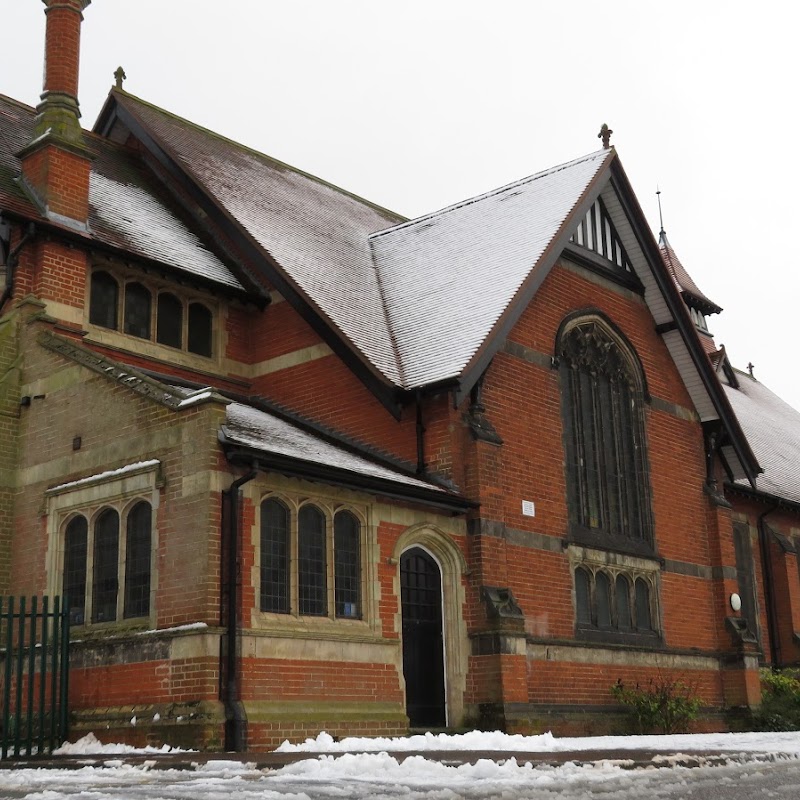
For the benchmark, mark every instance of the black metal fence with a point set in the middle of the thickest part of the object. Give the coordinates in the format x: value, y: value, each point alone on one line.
x: 34, y: 675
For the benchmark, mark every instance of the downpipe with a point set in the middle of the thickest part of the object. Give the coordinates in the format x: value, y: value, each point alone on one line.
x: 235, y: 718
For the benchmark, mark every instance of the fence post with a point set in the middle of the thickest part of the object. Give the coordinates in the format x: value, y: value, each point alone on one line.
x: 24, y: 724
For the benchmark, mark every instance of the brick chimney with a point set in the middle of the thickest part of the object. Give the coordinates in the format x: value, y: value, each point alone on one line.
x: 56, y: 163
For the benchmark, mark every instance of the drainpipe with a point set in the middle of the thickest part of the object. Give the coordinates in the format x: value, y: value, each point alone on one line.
x: 769, y: 589
x: 235, y: 720
x: 13, y: 260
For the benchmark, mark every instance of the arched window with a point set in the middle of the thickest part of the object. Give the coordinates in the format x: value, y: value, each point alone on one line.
x: 607, y: 485
x: 169, y: 320
x: 583, y: 598
x: 74, y: 583
x: 200, y: 329
x: 644, y: 621
x: 347, y: 564
x: 312, y: 563
x: 274, y: 557
x: 104, y: 300
x: 623, y: 603
x: 137, y: 310
x: 137, y: 561
x: 602, y: 588
x: 105, y: 581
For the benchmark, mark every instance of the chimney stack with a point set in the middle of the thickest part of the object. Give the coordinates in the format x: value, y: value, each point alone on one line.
x: 56, y: 163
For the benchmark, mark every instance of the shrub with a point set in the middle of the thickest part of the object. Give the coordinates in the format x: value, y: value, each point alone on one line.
x: 663, y: 706
x: 780, y: 701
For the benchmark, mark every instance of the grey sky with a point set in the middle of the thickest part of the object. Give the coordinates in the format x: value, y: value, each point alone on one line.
x: 419, y: 104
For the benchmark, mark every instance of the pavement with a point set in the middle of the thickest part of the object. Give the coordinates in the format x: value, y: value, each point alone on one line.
x: 631, y: 759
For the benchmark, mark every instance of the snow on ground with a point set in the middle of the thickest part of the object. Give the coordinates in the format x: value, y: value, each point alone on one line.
x: 382, y: 776
x: 91, y: 745
x: 547, y: 743
x: 379, y: 776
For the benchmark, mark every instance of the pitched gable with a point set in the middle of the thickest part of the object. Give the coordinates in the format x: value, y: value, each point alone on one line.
x: 310, y: 237
x: 128, y: 211
x: 449, y: 278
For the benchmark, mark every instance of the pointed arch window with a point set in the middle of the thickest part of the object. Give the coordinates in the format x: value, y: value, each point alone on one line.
x: 137, y: 561
x: 74, y: 582
x: 311, y: 558
x: 602, y: 410
x: 347, y: 572
x: 274, y: 556
x: 308, y: 566
x: 105, y: 581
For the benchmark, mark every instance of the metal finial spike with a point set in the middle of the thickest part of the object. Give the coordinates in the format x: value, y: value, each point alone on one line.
x: 660, y: 216
x: 605, y: 135
x: 119, y: 76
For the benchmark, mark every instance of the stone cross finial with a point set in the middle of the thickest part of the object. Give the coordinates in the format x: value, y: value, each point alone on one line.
x: 605, y: 135
x: 119, y: 76
x: 750, y: 367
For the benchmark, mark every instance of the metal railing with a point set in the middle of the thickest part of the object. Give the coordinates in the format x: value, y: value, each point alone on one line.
x: 34, y: 675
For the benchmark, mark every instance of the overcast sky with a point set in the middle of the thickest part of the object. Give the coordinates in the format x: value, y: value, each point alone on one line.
x: 419, y: 104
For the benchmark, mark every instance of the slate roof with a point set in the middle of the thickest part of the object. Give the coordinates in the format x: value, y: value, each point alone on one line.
x: 316, y: 232
x: 267, y: 433
x: 773, y: 429
x: 447, y: 277
x: 683, y: 280
x: 417, y: 298
x: 127, y: 209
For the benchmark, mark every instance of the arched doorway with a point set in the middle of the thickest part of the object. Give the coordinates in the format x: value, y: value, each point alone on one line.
x: 423, y: 640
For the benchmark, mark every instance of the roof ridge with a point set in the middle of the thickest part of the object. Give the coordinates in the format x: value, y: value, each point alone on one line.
x: 253, y: 151
x: 16, y: 102
x: 492, y: 192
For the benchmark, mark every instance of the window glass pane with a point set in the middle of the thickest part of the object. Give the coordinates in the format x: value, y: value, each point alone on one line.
x: 169, y: 320
x: 347, y: 571
x: 137, y: 561
x: 75, y: 569
x: 103, y: 300
x: 311, y: 561
x: 274, y: 557
x: 199, y: 330
x: 603, y: 434
x: 582, y: 597
x: 623, y: 602
x: 106, y: 564
x: 137, y: 310
x: 602, y: 587
x: 643, y: 620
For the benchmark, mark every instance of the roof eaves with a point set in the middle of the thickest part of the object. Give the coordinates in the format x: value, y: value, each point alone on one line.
x: 333, y: 336
x: 324, y: 473
x: 684, y: 323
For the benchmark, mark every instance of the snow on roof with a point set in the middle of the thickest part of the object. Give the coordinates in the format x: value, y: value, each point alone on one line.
x: 448, y: 276
x: 250, y: 427
x: 144, y: 226
x: 137, y: 466
x: 127, y: 209
x: 417, y: 298
x: 773, y: 429
x: 316, y: 232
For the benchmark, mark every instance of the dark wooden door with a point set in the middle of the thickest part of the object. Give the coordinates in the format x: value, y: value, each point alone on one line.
x: 423, y: 648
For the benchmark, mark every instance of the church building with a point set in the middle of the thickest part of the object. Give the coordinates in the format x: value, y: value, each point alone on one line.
x: 299, y: 463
